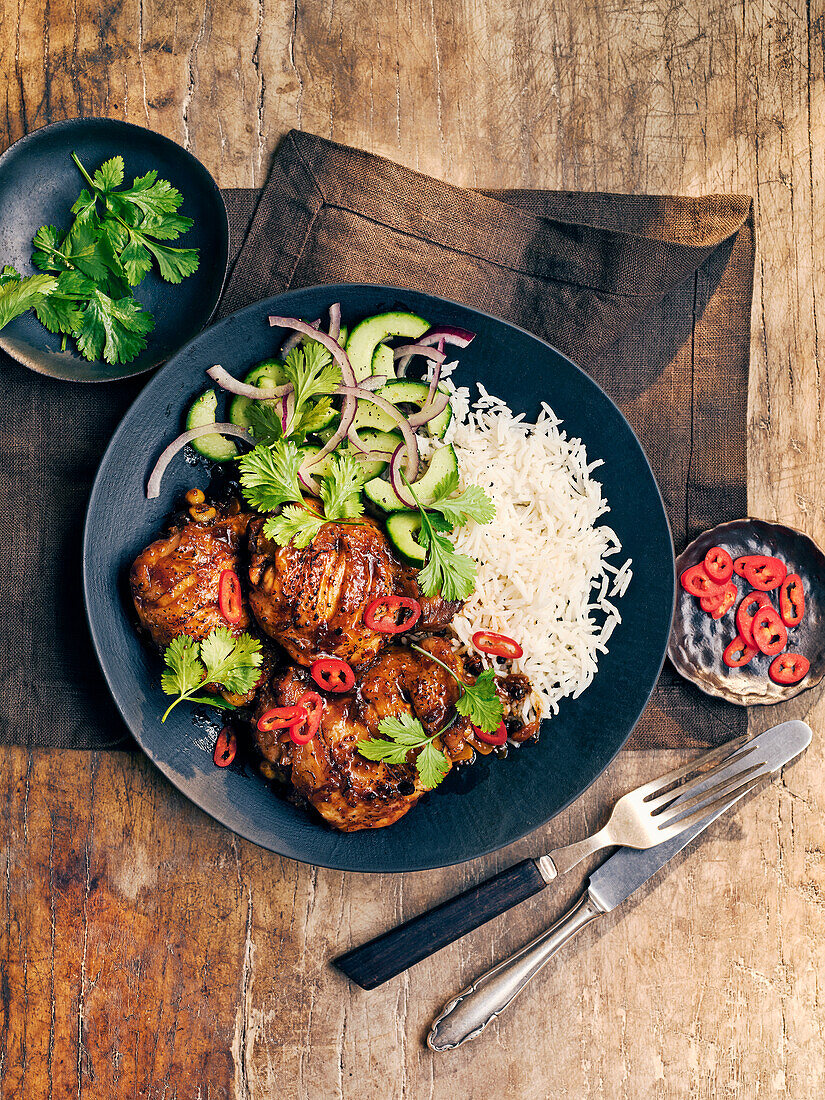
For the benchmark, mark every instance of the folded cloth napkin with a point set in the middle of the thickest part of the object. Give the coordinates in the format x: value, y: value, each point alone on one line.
x: 651, y: 295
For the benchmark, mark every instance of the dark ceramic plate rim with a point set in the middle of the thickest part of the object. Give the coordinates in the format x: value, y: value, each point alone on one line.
x: 331, y: 291
x: 737, y: 700
x: 9, y: 347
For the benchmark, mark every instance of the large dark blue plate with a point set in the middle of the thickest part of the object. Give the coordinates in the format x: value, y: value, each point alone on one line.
x: 477, y: 809
x: 38, y: 184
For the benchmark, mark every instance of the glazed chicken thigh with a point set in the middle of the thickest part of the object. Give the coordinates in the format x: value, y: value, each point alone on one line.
x: 312, y: 601
x: 349, y: 791
x: 174, y: 581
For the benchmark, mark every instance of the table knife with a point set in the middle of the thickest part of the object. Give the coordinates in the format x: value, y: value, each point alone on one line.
x: 468, y: 1014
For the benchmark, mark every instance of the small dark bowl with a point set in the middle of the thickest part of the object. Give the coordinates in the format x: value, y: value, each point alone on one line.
x: 38, y: 184
x: 697, y: 641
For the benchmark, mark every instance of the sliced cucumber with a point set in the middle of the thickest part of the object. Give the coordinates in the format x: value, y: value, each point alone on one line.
x: 402, y: 527
x: 401, y: 393
x: 378, y: 441
x: 443, y: 462
x: 269, y: 373
x: 216, y: 447
x: 364, y: 346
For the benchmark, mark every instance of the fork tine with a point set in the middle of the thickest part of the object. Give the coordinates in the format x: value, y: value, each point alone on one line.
x: 729, y: 796
x: 676, y: 808
x: 720, y: 753
x: 651, y: 804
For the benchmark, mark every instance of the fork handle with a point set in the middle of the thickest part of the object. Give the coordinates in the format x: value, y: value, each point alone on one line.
x: 387, y: 955
x: 561, y: 860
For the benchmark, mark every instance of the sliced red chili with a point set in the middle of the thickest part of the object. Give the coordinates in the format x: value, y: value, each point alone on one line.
x: 761, y: 571
x: 332, y: 674
x: 738, y: 653
x: 718, y: 564
x: 792, y: 600
x: 721, y: 605
x: 387, y: 614
x: 788, y: 668
x: 498, y: 737
x: 229, y: 596
x: 279, y: 718
x: 746, y: 612
x: 303, y: 732
x: 696, y: 581
x: 497, y: 645
x: 769, y: 632
x: 225, y: 748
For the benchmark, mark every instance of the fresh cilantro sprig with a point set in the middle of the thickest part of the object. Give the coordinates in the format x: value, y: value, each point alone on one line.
x: 310, y: 369
x: 479, y: 701
x: 231, y: 661
x: 269, y: 476
x: 399, y: 737
x: 447, y: 572
x: 85, y: 290
x: 472, y: 503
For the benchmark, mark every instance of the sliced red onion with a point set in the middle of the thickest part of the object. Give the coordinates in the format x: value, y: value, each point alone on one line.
x: 156, y: 476
x: 227, y: 382
x: 396, y: 480
x: 430, y: 410
x: 287, y: 409
x: 335, y: 320
x: 402, y: 422
x: 460, y: 337
x: 409, y: 350
x: 293, y: 340
x: 332, y: 346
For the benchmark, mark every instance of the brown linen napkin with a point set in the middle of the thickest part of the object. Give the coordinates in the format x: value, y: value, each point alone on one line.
x: 650, y: 295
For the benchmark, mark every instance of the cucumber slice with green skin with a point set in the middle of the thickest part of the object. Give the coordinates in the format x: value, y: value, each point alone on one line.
x: 216, y: 447
x: 401, y: 393
x: 379, y: 441
x: 402, y: 527
x: 268, y: 373
x: 365, y: 338
x: 443, y: 462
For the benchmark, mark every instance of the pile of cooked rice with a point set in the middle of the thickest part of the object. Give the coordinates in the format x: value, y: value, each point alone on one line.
x: 544, y: 577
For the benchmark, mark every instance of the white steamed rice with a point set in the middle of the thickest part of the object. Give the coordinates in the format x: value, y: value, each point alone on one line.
x: 544, y: 577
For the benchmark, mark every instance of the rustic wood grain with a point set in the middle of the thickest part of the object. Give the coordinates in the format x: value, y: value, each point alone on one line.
x: 147, y: 952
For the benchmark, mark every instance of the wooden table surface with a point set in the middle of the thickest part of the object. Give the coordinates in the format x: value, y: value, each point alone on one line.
x: 150, y: 953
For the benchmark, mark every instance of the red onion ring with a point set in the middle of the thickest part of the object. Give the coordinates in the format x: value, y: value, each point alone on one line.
x: 402, y: 422
x: 156, y: 476
x: 227, y: 382
x: 430, y: 410
x: 460, y: 337
x: 335, y: 320
x: 287, y: 409
x: 294, y: 340
x: 407, y: 352
x: 396, y: 481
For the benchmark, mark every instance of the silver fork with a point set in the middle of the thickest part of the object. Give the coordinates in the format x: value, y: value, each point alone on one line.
x: 658, y: 810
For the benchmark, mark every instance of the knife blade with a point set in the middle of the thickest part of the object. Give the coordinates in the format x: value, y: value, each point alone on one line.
x: 467, y: 1015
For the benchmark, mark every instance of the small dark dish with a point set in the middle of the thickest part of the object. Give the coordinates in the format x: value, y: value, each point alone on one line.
x: 38, y: 184
x: 697, y: 641
x: 477, y: 809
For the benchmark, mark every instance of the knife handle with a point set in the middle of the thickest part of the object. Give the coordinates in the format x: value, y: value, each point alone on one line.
x: 393, y: 952
x: 467, y: 1015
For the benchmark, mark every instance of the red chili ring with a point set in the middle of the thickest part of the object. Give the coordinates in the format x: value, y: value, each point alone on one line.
x: 332, y: 674
x: 381, y: 614
x: 718, y: 564
x: 303, y: 732
x: 498, y: 737
x: 498, y: 645
x: 229, y: 596
x: 278, y: 718
x: 788, y: 668
x: 225, y: 748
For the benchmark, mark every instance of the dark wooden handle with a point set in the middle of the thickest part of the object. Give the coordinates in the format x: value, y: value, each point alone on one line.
x: 393, y: 952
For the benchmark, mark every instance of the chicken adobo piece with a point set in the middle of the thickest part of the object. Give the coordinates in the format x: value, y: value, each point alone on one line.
x: 312, y: 601
x: 347, y: 790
